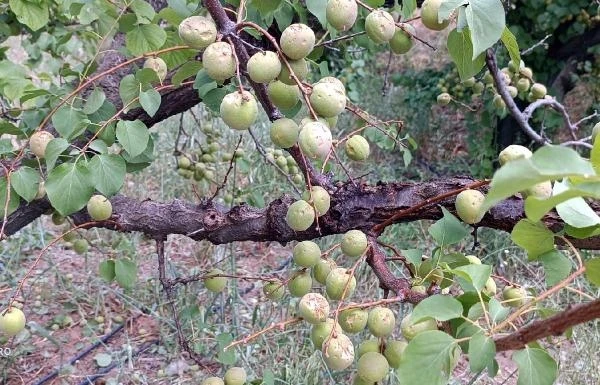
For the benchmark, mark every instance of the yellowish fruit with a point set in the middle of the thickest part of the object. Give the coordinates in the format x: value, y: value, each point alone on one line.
x: 354, y: 243
x: 12, y: 321
x: 297, y: 41
x: 410, y: 330
x: 340, y: 284
x: 372, y: 367
x: 353, y: 320
x: 198, y: 32
x: 429, y: 15
x: 315, y: 140
x: 218, y: 61
x: 338, y: 353
x: 370, y: 345
x: 80, y: 246
x: 444, y: 99
x: 284, y: 132
x: 300, y: 284
x: 341, y: 14
x: 380, y: 26
x: 322, y: 270
x: 402, y: 41
x: 313, y: 308
x: 300, y: 69
x: 490, y: 287
x: 538, y: 91
x: 512, y: 153
x: 381, y: 321
x: 300, y: 215
x: 158, y: 65
x: 327, y: 101
x: 99, y: 208
x: 357, y: 148
x: 541, y: 190
x: 235, y: 376
x: 239, y: 110
x: 321, y: 331
x: 39, y: 141
x: 394, y: 350
x: 468, y: 206
x: 473, y: 259
x: 274, y: 290
x: 264, y: 66
x: 213, y: 381
x: 514, y: 296
x: 320, y: 199
x: 283, y: 95
x: 215, y: 284
x: 306, y: 254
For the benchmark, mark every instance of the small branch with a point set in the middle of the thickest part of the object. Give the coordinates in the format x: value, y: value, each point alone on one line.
x: 539, y: 43
x: 231, y: 164
x: 279, y: 326
x: 340, y: 38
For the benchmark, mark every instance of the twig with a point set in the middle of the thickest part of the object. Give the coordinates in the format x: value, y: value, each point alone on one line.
x: 530, y: 49
x: 231, y: 164
x: 279, y: 325
x: 340, y: 38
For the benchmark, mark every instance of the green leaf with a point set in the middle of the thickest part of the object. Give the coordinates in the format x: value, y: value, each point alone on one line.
x: 125, y: 272
x: 226, y: 357
x: 133, y: 136
x: 460, y: 49
x: 150, y: 101
x: 547, y: 163
x: 145, y: 38
x: 408, y: 8
x: 69, y: 187
x: 204, y: 83
x: 33, y: 14
x: 213, y: 98
x: 497, y: 312
x: 486, y: 22
x: 144, y: 11
x: 69, y: 121
x: 575, y: 211
x: 25, y: 181
x: 536, y: 367
x: 439, y: 350
x: 284, y: 16
x: 475, y: 275
x: 448, y: 230
x: 592, y: 269
x: 108, y: 171
x: 186, y: 71
x: 53, y: 150
x: 440, y: 307
x: 9, y: 128
x: 510, y: 42
x: 6, y: 146
x: 103, y: 359
x: 129, y: 89
x: 556, y: 266
x: 94, y: 101
x: 106, y: 270
x: 318, y: 8
x: 13, y: 203
x: 534, y: 237
x: 482, y: 351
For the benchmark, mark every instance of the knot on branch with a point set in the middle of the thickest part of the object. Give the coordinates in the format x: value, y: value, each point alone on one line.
x: 212, y: 220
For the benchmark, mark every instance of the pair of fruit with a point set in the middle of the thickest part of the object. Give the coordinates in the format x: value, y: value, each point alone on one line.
x: 233, y: 376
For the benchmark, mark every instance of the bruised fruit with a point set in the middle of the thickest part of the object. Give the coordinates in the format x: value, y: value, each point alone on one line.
x: 297, y: 41
x: 306, y: 254
x: 334, y: 82
x: 99, y: 208
x: 393, y: 352
x: 12, y: 321
x: 218, y: 61
x: 158, y: 65
x: 300, y: 215
x: 274, y: 290
x: 215, y: 284
x: 514, y: 296
x: 313, y: 308
x: 264, y: 66
x: 300, y: 69
x: 239, y: 110
x: 429, y: 15
x: 320, y: 331
x: 198, y: 32
x: 341, y: 14
x: 468, y: 206
x: 381, y: 321
x: 372, y: 367
x: 353, y: 320
x: 338, y: 353
x: 402, y: 40
x: 339, y: 284
x: 357, y: 148
x: 370, y: 345
x: 235, y: 376
x: 283, y: 95
x: 513, y: 152
x: 410, y: 329
x: 300, y: 284
x: 354, y: 243
x: 39, y: 141
x: 284, y: 132
x: 380, y: 26
x: 322, y: 270
x: 315, y: 140
x: 444, y: 99
x: 327, y: 101
x: 319, y: 197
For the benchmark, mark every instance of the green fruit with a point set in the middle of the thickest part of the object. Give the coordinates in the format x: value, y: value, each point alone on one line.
x: 370, y: 345
x: 300, y: 68
x: 381, y: 321
x: 393, y: 352
x: 372, y: 367
x: 284, y: 132
x: 499, y: 102
x: 473, y: 259
x: 336, y: 283
x: 380, y: 26
x: 513, y: 152
x: 313, y: 308
x: 158, y: 65
x: 513, y: 91
x: 478, y: 88
x: 239, y: 110
x: 360, y: 381
x: 321, y: 331
x: 297, y: 41
x: 490, y: 287
x: 80, y: 246
x: 283, y: 95
x: 300, y: 284
x: 595, y: 131
x: 281, y: 161
x: 419, y: 289
x: 470, y: 82
x: 306, y: 254
x: 264, y: 66
x: 410, y: 329
x: 354, y: 243
x: 357, y: 148
x: 341, y: 14
x: 322, y: 270
x: 327, y: 101
x: 215, y: 284
x: 526, y: 72
x: 12, y: 321
x: 38, y: 142
x: 523, y: 85
x: 274, y: 290
x: 300, y: 215
x: 444, y: 99
x: 468, y: 206
x: 320, y: 199
x: 402, y: 41
x: 538, y: 91
x: 353, y: 320
x: 198, y: 32
x: 541, y: 190
x: 338, y: 353
x: 235, y: 376
x: 57, y: 219
x: 429, y: 15
x: 218, y: 61
x: 41, y: 190
x: 488, y: 79
x: 213, y: 381
x: 514, y: 296
x: 99, y: 208
x: 315, y: 140
x: 184, y: 162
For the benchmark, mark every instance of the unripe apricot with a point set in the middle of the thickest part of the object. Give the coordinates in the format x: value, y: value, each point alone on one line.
x: 468, y: 206
x: 218, y: 61
x: 354, y: 243
x: 380, y: 26
x: 198, y: 32
x: 239, y: 110
x: 39, y: 141
x: 235, y: 376
x: 513, y: 152
x: 322, y: 270
x: 300, y: 284
x: 327, y: 101
x: 284, y: 132
x: 313, y: 308
x: 338, y: 353
x: 410, y: 329
x: 339, y: 284
x: 99, y: 208
x: 320, y: 331
x: 297, y: 41
x: 353, y: 320
x: 283, y: 95
x: 158, y: 65
x: 357, y: 148
x: 381, y: 321
x: 215, y: 284
x: 300, y: 215
x: 341, y: 14
x: 306, y: 254
x: 274, y: 290
x: 264, y: 66
x: 402, y: 41
x: 393, y: 352
x: 300, y: 69
x: 372, y: 367
x: 12, y: 321
x: 315, y: 140
x: 320, y: 199
x: 514, y: 296
x: 429, y: 15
